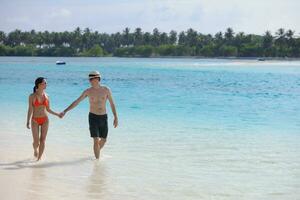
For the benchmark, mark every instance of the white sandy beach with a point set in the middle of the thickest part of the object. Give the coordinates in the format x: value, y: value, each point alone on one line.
x: 63, y: 173
x: 220, y: 171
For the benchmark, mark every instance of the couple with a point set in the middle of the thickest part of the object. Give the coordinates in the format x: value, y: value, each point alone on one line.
x: 39, y: 105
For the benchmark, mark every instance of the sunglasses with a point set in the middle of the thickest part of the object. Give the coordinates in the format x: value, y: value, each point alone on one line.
x: 93, y: 78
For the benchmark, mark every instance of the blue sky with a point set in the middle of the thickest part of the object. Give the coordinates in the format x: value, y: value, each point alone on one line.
x: 205, y: 16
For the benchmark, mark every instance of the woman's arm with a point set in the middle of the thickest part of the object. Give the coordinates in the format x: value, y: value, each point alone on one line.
x: 52, y: 112
x: 49, y: 109
x: 30, y: 110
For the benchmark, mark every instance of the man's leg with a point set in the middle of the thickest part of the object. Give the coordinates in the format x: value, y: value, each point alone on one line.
x: 97, y: 147
x: 103, y: 133
x: 102, y: 142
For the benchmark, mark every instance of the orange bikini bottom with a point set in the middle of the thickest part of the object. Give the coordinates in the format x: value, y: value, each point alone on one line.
x: 40, y: 120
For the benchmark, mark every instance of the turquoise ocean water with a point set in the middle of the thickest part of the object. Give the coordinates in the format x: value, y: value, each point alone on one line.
x: 188, y: 128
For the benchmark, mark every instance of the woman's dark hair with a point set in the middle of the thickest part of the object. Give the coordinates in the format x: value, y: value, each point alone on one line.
x: 37, y: 82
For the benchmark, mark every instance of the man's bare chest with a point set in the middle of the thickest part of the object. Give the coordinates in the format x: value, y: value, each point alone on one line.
x: 97, y: 96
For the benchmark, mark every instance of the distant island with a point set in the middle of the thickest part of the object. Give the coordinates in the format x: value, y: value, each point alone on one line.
x: 190, y: 43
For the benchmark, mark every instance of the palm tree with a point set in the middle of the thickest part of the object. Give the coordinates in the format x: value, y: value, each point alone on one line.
x: 181, y: 38
x: 76, y: 39
x: 229, y: 35
x: 281, y: 42
x: 126, y: 37
x: 296, y: 49
x: 173, y: 37
x: 289, y: 36
x: 267, y: 40
x: 291, y: 42
x: 280, y: 37
x: 163, y: 38
x: 219, y: 40
x: 85, y: 38
x: 39, y: 39
x: 155, y: 39
x: 2, y: 37
x: 14, y: 38
x: 138, y: 37
x: 117, y: 39
x: 191, y: 37
x: 147, y: 38
x: 267, y: 43
x: 238, y: 41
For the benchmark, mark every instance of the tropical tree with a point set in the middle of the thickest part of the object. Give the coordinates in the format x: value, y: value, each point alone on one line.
x: 172, y: 37
x: 191, y: 37
x: 147, y: 38
x: 95, y: 51
x: 155, y: 40
x: 2, y: 37
x: 163, y: 39
x: 127, y: 37
x: 14, y: 38
x: 280, y: 42
x: 190, y: 43
x: 138, y: 37
x: 229, y: 36
x: 267, y: 44
x: 181, y: 38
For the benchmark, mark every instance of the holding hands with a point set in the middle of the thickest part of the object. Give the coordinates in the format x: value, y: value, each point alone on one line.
x: 62, y: 114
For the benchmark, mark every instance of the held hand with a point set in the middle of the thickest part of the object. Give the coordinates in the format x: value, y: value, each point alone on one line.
x: 27, y: 125
x: 62, y: 114
x: 115, y: 122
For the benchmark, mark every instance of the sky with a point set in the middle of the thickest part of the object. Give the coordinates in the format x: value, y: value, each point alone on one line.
x: 111, y: 16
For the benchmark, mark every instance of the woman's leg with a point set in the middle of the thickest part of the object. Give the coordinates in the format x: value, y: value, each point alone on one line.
x: 35, y: 136
x: 44, y: 130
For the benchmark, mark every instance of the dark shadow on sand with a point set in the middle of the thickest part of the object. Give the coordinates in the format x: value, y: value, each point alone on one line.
x: 28, y: 163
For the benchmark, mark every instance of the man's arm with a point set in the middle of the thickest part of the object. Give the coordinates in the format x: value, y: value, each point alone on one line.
x: 76, y: 102
x: 113, y: 107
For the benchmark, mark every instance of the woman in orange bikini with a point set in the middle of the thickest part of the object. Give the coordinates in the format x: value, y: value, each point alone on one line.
x: 37, y: 111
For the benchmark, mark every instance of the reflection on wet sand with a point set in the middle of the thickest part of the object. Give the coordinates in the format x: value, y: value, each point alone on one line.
x: 97, y: 182
x: 36, y: 184
x: 30, y: 163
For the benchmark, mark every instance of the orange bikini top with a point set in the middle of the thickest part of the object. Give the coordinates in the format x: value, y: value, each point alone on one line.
x: 44, y: 103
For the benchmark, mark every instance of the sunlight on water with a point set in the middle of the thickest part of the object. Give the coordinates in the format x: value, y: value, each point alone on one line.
x: 189, y: 129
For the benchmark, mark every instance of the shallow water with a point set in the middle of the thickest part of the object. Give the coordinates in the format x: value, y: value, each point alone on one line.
x: 189, y: 128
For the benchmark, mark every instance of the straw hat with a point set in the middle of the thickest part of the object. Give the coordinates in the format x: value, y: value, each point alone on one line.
x: 94, y: 74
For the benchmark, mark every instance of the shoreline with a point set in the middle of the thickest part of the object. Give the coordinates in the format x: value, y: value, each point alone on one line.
x: 262, y: 59
x: 222, y: 58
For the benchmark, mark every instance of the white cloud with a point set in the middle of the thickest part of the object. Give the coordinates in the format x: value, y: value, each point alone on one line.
x: 207, y: 16
x: 64, y: 13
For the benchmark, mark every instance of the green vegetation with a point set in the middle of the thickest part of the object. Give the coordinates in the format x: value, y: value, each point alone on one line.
x: 145, y: 44
x: 95, y: 51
